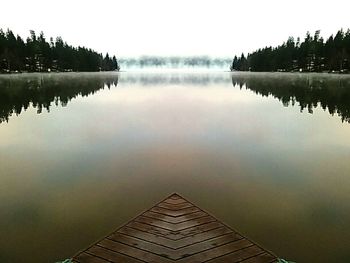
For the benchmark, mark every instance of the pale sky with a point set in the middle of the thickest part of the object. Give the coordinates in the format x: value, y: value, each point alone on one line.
x: 179, y: 27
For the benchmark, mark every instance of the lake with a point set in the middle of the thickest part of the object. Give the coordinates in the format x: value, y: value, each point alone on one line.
x: 82, y: 153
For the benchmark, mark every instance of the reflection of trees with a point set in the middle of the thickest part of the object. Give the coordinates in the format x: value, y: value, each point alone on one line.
x: 17, y: 93
x: 172, y: 78
x: 332, y: 93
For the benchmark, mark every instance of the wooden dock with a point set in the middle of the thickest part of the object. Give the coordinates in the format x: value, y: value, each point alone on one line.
x: 175, y: 230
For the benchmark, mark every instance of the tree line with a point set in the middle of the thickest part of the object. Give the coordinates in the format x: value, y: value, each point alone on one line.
x: 36, y: 54
x: 313, y: 54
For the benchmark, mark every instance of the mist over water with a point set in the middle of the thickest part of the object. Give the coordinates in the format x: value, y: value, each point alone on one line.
x: 152, y: 63
x: 80, y: 154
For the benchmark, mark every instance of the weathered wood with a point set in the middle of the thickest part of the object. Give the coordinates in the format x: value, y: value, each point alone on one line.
x: 174, y: 220
x: 175, y: 230
x: 87, y: 258
x: 175, y: 213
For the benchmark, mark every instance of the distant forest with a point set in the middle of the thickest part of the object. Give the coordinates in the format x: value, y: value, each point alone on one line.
x: 313, y: 54
x: 175, y: 62
x: 36, y: 54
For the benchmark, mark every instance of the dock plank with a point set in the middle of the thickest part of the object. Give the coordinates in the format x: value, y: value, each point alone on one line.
x: 87, y: 258
x: 110, y: 255
x: 261, y: 258
x: 174, y: 230
x: 175, y: 227
x: 174, y: 220
x: 175, y: 213
x: 175, y: 206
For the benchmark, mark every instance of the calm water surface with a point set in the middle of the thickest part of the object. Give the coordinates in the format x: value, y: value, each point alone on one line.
x: 267, y: 153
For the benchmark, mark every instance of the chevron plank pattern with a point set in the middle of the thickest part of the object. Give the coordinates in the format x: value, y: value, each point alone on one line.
x: 175, y: 230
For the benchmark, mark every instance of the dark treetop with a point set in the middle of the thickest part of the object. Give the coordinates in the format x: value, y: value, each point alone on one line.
x: 38, y: 55
x: 314, y: 54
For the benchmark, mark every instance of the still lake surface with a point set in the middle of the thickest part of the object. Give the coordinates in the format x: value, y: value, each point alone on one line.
x: 269, y: 154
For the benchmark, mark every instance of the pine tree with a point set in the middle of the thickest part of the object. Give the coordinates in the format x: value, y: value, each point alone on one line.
x: 312, y: 54
x: 38, y: 55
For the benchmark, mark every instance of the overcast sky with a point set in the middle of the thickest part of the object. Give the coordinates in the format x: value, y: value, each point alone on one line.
x: 177, y: 27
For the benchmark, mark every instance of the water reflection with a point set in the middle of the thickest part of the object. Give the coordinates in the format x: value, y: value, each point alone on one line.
x: 309, y: 91
x: 69, y: 177
x: 175, y: 78
x: 18, y: 92
x: 330, y: 92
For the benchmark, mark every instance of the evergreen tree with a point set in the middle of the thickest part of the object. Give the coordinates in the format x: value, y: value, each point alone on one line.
x: 38, y: 55
x: 313, y: 54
